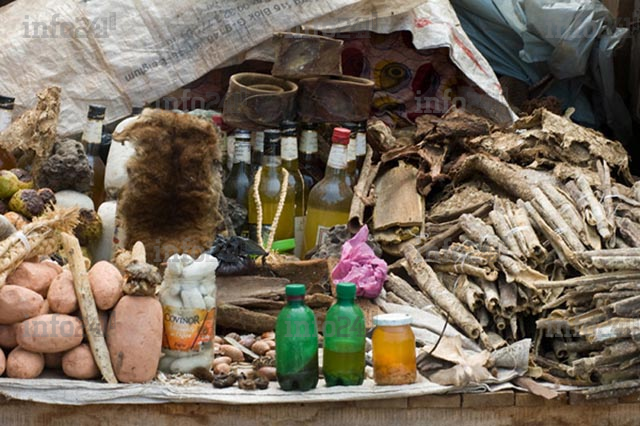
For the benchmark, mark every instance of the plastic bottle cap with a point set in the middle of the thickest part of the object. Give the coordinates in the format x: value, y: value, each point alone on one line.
x: 217, y: 119
x: 353, y: 127
x: 392, y: 319
x: 309, y: 126
x: 283, y: 246
x: 341, y: 136
x: 288, y: 128
x: 346, y: 290
x: 295, y: 290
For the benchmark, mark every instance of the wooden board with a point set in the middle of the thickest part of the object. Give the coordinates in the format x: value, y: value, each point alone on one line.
x: 421, y: 412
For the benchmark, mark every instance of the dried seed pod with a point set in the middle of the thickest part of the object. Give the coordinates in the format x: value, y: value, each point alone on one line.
x: 268, y: 335
x: 263, y: 361
x: 232, y: 352
x: 261, y: 382
x: 260, y: 347
x: 221, y: 360
x: 203, y: 373
x: 248, y: 341
x: 268, y: 373
x: 224, y: 380
x: 234, y: 336
x: 222, y: 369
x: 246, y: 384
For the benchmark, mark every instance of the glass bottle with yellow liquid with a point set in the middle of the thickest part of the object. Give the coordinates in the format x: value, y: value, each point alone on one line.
x: 311, y: 165
x: 352, y: 166
x: 91, y: 140
x: 7, y: 160
x: 270, y: 183
x: 296, y: 183
x: 330, y: 200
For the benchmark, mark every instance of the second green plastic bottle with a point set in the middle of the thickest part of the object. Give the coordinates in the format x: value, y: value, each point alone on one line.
x: 344, y: 340
x: 296, y: 343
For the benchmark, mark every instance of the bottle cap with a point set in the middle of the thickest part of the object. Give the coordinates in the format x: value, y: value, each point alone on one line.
x: 272, y: 142
x: 346, y: 290
x: 293, y: 290
x: 340, y: 136
x: 6, y: 102
x: 309, y: 126
x: 362, y: 126
x: 96, y: 112
x: 242, y: 134
x: 283, y: 246
x: 353, y: 127
x: 136, y: 110
x: 392, y: 320
x: 217, y: 119
x: 289, y: 128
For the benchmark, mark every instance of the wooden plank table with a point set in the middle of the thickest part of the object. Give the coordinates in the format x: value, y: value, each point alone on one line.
x: 495, y: 409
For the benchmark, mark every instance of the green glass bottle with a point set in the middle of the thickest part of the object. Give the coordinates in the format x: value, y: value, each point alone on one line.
x: 344, y: 340
x: 296, y: 343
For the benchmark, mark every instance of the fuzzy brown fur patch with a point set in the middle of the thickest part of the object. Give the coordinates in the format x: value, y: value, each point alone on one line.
x: 170, y: 202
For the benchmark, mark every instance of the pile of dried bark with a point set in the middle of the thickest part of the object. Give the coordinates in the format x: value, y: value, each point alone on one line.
x: 538, y: 222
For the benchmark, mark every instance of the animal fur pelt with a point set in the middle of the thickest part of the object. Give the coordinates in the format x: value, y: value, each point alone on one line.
x: 170, y: 202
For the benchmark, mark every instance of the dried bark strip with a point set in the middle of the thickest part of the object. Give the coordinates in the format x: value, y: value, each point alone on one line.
x: 428, y: 282
x: 88, y: 309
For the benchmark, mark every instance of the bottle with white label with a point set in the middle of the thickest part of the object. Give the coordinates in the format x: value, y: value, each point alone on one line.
x: 361, y: 144
x: 238, y: 184
x: 311, y: 165
x: 91, y: 140
x: 7, y: 160
x: 330, y: 199
x: 257, y: 150
x: 296, y: 183
x: 352, y: 167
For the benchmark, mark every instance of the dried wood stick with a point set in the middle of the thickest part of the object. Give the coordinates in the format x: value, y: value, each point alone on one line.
x: 406, y: 292
x: 481, y: 233
x: 453, y: 256
x: 469, y: 293
x: 613, y: 329
x: 607, y: 198
x: 428, y: 282
x: 629, y: 231
x: 631, y: 251
x: 508, y: 176
x: 491, y: 296
x: 579, y: 346
x: 615, y: 390
x: 562, y: 250
x: 608, y: 278
x: 508, y: 298
x: 361, y: 192
x: 628, y: 308
x: 463, y: 268
x: 88, y: 309
x: 598, y: 214
x: 525, y: 235
x: 610, y: 355
x: 503, y: 228
x: 393, y: 298
x: 554, y: 219
x: 483, y: 316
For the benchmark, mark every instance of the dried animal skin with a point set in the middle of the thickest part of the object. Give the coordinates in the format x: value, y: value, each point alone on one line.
x: 554, y: 219
x: 598, y: 215
x: 504, y: 228
x: 525, y: 235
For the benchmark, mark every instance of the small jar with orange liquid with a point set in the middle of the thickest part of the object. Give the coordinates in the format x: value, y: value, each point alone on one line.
x: 394, y: 350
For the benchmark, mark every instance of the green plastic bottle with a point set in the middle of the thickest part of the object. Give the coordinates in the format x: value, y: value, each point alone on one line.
x: 344, y: 340
x: 296, y: 343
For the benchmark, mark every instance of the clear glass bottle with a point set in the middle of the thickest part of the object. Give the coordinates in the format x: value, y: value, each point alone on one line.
x: 394, y: 350
x: 330, y: 199
x: 361, y: 144
x: 91, y: 140
x: 311, y: 165
x: 296, y: 183
x: 352, y: 167
x: 269, y: 189
x: 238, y: 183
x: 296, y: 343
x: 344, y: 340
x: 257, y: 150
x: 7, y: 160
